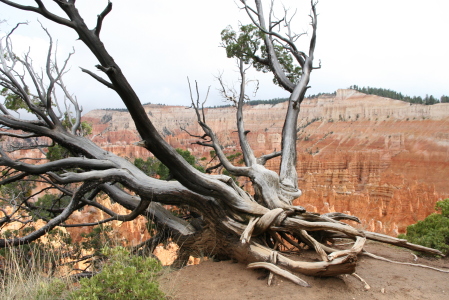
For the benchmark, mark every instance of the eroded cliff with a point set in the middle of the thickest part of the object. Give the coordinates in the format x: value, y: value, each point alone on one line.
x: 384, y: 160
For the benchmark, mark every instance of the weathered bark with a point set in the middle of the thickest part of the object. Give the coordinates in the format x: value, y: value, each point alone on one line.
x: 228, y: 221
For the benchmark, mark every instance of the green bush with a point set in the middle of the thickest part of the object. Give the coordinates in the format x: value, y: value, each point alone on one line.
x: 123, y: 277
x: 99, y: 237
x: 152, y: 166
x: 433, y: 231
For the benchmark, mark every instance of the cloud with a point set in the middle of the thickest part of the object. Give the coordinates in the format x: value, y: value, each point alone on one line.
x: 401, y: 45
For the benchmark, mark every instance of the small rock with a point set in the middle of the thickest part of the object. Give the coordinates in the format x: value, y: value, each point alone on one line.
x: 382, y: 290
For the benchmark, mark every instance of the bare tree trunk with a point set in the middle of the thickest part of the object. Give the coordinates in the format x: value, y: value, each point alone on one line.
x: 232, y: 223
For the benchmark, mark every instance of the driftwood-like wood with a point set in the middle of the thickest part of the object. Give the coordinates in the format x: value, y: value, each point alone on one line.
x: 275, y: 269
x: 366, y: 285
x: 225, y: 220
x: 402, y: 263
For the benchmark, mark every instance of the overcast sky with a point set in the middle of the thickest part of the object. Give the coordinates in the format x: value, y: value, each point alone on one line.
x: 396, y: 44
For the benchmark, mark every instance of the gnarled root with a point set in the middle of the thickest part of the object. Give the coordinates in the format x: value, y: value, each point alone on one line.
x: 366, y: 285
x: 264, y: 241
x: 402, y: 263
x: 341, y: 265
x: 275, y: 269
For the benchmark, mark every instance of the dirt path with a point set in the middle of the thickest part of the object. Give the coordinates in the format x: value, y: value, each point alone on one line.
x: 227, y: 280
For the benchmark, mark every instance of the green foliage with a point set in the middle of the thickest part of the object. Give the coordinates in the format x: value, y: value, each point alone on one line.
x: 57, y: 152
x: 428, y: 100
x: 59, y: 237
x: 244, y: 44
x: 152, y: 166
x: 443, y: 207
x: 84, y: 129
x: 18, y: 190
x: 433, y: 231
x: 164, y: 172
x: 55, y: 288
x: 123, y: 277
x: 247, y: 44
x: 269, y: 101
x: 97, y: 238
x: 234, y: 156
x: 273, y: 101
x: 120, y: 109
x: 313, y: 96
x: 148, y: 166
x: 190, y: 158
x: 292, y: 71
x: 15, y: 102
x: 48, y: 206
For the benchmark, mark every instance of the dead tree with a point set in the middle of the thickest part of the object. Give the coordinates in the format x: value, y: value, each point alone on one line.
x: 230, y: 222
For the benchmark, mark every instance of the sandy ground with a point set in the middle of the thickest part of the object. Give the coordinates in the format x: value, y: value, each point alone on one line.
x: 227, y: 280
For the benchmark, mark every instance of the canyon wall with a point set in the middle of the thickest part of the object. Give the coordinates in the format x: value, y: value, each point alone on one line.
x: 384, y: 160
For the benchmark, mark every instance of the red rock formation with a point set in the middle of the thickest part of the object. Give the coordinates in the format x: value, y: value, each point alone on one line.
x: 127, y: 233
x: 384, y: 160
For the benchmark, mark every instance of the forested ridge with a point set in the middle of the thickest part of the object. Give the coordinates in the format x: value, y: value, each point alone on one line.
x: 427, y: 100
